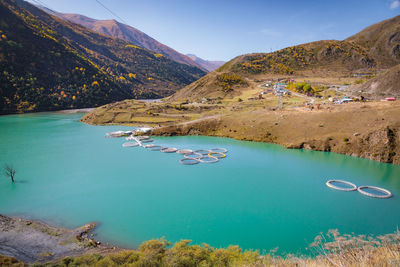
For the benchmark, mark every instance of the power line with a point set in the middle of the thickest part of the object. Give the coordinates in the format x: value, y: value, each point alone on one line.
x: 111, y: 12
x: 40, y: 3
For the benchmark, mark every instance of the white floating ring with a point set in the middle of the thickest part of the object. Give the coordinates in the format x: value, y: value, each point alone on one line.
x: 219, y: 150
x: 156, y: 148
x: 217, y: 155
x: 387, y: 193
x: 205, y: 159
x: 142, y: 137
x: 193, y: 155
x: 130, y: 144
x: 203, y: 152
x: 352, y: 187
x: 169, y: 150
x: 146, y: 140
x: 189, y: 161
x: 148, y: 146
x: 184, y: 151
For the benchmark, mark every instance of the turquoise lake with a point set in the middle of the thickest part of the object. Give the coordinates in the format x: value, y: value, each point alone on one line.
x: 261, y: 196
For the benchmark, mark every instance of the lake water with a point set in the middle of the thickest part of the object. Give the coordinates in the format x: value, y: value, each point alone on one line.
x: 261, y: 196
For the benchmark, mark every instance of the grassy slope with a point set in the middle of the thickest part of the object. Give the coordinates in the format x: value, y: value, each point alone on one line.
x: 41, y: 55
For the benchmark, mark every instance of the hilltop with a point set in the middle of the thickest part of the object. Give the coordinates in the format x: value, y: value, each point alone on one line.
x: 127, y: 33
x: 51, y: 64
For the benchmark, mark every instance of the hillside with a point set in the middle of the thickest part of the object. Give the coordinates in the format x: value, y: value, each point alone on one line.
x: 375, y: 48
x: 382, y: 40
x: 50, y: 64
x: 206, y: 64
x: 318, y: 59
x: 386, y: 84
x: 128, y: 33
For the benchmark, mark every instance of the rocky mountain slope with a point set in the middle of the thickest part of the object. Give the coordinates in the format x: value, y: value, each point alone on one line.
x: 50, y: 64
x: 386, y: 84
x: 128, y: 33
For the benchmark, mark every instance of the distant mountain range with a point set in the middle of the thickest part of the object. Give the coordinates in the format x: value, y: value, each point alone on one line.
x: 374, y: 49
x: 47, y: 63
x: 208, y: 65
x: 130, y: 34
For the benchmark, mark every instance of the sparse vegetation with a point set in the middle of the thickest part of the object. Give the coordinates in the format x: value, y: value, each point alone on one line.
x: 332, y: 249
x: 227, y: 80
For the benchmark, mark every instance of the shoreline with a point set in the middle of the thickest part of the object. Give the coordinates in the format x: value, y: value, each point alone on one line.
x: 24, y: 242
x: 368, y: 130
x: 314, y: 145
x: 37, y: 241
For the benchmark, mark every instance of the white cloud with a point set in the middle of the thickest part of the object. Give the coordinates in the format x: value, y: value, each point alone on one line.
x: 395, y: 4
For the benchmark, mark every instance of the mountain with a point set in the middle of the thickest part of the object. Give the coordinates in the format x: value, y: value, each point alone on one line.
x: 382, y: 40
x: 206, y: 64
x: 49, y: 64
x: 125, y: 32
x: 373, y: 49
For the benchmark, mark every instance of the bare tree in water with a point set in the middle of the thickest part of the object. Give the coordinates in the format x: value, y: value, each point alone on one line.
x: 9, y: 171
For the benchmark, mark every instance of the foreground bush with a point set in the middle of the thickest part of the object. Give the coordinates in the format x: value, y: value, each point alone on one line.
x: 332, y: 249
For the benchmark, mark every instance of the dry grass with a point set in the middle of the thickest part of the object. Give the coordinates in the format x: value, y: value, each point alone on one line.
x: 331, y: 249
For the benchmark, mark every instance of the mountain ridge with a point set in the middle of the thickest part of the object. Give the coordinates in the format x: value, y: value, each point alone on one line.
x: 127, y: 33
x: 95, y: 70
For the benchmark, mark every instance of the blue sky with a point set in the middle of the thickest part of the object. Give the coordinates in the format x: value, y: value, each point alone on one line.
x: 221, y: 30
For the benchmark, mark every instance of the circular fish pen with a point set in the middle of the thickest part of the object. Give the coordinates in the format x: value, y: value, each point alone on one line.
x: 218, y: 155
x: 203, y: 152
x: 208, y: 159
x: 184, y: 151
x: 142, y: 137
x: 169, y: 150
x: 146, y: 140
x: 189, y: 161
x: 155, y: 148
x: 193, y: 155
x: 385, y: 193
x: 219, y: 150
x: 348, y: 186
x: 148, y: 146
x: 130, y: 144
